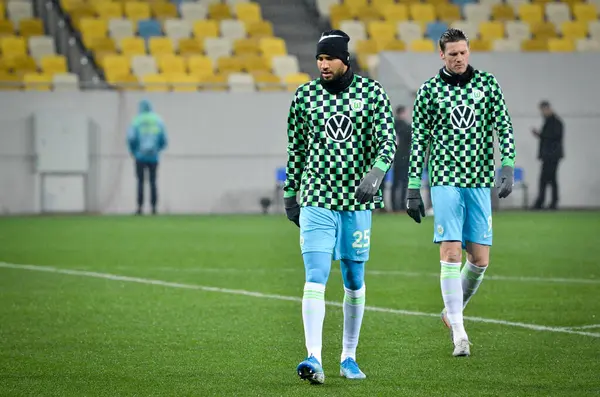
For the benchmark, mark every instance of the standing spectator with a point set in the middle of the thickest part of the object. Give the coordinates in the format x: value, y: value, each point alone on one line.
x: 146, y: 138
x: 400, y: 167
x: 550, y: 152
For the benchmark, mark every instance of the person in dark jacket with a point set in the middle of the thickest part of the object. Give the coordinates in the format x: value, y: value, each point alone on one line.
x: 550, y: 153
x: 400, y: 166
x: 146, y: 138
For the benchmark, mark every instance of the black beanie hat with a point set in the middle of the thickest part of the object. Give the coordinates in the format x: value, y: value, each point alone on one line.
x: 335, y: 44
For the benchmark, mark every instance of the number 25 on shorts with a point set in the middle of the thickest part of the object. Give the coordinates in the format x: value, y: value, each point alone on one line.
x: 362, y: 239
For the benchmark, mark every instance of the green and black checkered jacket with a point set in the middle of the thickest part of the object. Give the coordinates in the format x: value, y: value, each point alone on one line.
x: 334, y: 140
x: 457, y: 124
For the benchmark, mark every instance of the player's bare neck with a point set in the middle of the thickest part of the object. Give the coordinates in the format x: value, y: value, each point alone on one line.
x: 340, y: 84
x: 457, y: 79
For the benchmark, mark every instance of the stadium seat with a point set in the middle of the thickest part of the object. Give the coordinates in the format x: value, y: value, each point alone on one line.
x: 214, y: 82
x: 7, y: 28
x: 92, y: 28
x: 149, y: 28
x: 324, y: 6
x: 241, y: 82
x: 285, y: 64
x: 531, y: 13
x: 534, y: 45
x: 448, y: 12
x: 182, y: 82
x: 227, y: 65
x: 339, y: 13
x: 108, y: 10
x: 356, y: 30
x: 409, y: 31
x: 557, y: 13
x: 435, y: 30
x: 471, y: 29
x: 393, y: 45
x: 256, y: 63
x: 246, y: 47
x: 120, y: 28
x: 131, y: 46
x: 190, y: 46
x: 218, y: 11
x: 422, y: 12
x: 21, y: 64
x: 216, y: 47
x: 199, y: 65
x: 395, y: 12
x: 40, y: 46
x: 37, y: 82
x: 364, y: 48
x: 203, y: 29
x: 248, y: 12
x: 163, y: 11
x: 176, y: 30
x: 477, y: 12
x: 574, y: 30
x: 421, y: 45
x: 585, y: 12
x: 115, y: 65
x: 503, y: 12
x: 65, y: 82
x: 543, y: 30
x: 491, y: 30
x: 160, y: 46
x: 506, y: 45
x: 18, y: 10
x: 137, y: 10
x: 267, y: 82
x: 294, y: 80
x: 478, y: 45
x: 142, y: 65
x: 10, y: 81
x: 53, y: 64
x: 587, y: 45
x: 272, y: 46
x: 517, y: 30
x: 13, y: 47
x: 171, y: 64
x: 594, y: 29
x: 232, y: 29
x: 155, y: 83
x: 31, y: 27
x: 193, y: 11
x: 259, y: 29
x: 381, y: 31
x: 561, y: 45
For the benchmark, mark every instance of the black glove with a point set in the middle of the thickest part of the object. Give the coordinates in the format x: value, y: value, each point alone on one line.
x: 414, y: 205
x: 292, y: 209
x: 369, y: 185
x: 507, y: 181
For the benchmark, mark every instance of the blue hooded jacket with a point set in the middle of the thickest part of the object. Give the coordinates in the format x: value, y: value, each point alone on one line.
x: 146, y: 136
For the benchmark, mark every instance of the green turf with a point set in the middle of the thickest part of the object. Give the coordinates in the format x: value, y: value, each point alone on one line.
x: 82, y: 336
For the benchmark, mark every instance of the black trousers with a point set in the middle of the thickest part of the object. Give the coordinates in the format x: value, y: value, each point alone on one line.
x: 548, y: 177
x: 399, y: 188
x: 140, y: 168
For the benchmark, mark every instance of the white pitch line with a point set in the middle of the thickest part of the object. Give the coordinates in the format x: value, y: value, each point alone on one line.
x: 139, y: 280
x: 584, y: 327
x: 490, y: 277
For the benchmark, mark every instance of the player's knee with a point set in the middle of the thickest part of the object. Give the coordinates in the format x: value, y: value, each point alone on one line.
x: 318, y: 276
x: 451, y: 252
x: 479, y: 260
x: 353, y: 274
x: 317, y: 266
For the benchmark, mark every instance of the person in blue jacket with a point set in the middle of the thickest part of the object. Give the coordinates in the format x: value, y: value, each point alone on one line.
x: 146, y: 138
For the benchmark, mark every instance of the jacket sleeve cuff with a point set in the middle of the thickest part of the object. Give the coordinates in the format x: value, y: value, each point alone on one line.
x: 414, y: 183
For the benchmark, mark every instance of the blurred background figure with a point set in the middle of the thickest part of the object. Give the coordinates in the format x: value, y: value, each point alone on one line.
x: 146, y: 138
x: 400, y: 166
x: 550, y: 152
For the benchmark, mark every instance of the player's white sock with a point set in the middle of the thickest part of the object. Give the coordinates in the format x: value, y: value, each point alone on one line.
x: 354, y: 308
x: 471, y: 277
x: 313, y: 314
x: 452, y: 295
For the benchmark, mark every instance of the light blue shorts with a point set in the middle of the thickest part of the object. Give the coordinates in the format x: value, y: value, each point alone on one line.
x: 344, y: 234
x: 462, y: 214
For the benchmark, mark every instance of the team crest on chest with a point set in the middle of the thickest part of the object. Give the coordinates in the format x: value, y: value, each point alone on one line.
x: 477, y: 95
x: 357, y: 105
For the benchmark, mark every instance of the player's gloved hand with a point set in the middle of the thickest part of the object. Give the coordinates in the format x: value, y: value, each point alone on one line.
x: 369, y: 185
x: 292, y: 209
x: 414, y: 205
x: 507, y: 181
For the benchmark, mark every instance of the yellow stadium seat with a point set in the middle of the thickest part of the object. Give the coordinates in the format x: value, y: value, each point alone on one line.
x: 364, y: 48
x: 22, y: 64
x: 155, y: 82
x: 52, y: 64
x: 31, y: 27
x: 37, y: 82
x: 421, y: 45
x: 294, y: 80
x: 381, y: 31
x: 69, y: 5
x: 394, y: 45
x: 171, y: 64
x: 503, y: 12
x: 255, y: 63
x: 164, y: 10
x: 136, y: 10
x: 160, y: 45
x: 205, y: 28
x: 382, y: 3
x: 92, y: 28
x: 491, y: 30
x: 200, y: 65
x: 534, y: 45
x: 585, y: 12
x: 355, y: 3
x: 248, y: 12
x: 2, y: 11
x: 11, y: 81
x: 103, y: 44
x: 531, y: 13
x: 543, y: 30
x: 190, y: 46
x: 266, y: 81
x: 395, y: 12
x: 437, y: 2
x: 561, y: 45
x: 132, y: 46
x: 246, y: 47
x: 125, y: 82
x: 183, y: 82
x: 214, y: 82
x: 115, y: 65
x: 339, y: 13
x: 259, y: 29
x: 448, y: 12
x: 574, y: 30
x: 219, y: 11
x: 271, y: 46
x: 80, y: 13
x: 422, y: 12
x: 571, y: 3
x: 12, y: 47
x: 7, y: 28
x: 476, y: 45
x: 108, y: 10
x: 368, y: 13
x: 227, y: 65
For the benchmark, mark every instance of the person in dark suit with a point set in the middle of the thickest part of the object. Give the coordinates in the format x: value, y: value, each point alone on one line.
x: 400, y: 166
x: 550, y: 152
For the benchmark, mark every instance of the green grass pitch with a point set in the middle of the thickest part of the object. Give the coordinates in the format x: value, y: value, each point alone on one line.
x: 195, y: 332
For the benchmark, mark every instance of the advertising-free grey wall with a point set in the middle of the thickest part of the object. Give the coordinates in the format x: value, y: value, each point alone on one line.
x: 568, y: 81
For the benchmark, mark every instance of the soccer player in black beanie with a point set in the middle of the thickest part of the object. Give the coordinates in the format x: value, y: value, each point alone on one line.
x: 341, y: 142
